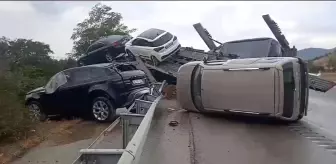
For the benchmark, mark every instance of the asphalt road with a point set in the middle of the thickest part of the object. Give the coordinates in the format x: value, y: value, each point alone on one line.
x: 322, y: 110
x: 214, y: 139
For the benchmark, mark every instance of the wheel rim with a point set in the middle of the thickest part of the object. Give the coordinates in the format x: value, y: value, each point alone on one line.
x: 100, y: 110
x: 109, y: 58
x: 35, y: 111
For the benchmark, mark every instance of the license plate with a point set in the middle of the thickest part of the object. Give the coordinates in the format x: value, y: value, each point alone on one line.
x: 138, y: 81
x: 170, y: 44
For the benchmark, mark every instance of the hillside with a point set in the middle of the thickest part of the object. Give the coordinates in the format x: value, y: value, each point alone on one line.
x: 311, y: 53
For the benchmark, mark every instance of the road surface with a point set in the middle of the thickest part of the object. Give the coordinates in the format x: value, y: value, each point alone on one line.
x: 214, y: 139
x: 322, y: 110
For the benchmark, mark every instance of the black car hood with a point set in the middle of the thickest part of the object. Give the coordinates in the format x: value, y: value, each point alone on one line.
x: 134, y: 74
x: 37, y: 90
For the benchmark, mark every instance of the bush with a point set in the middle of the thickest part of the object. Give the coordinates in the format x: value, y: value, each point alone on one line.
x: 14, y: 118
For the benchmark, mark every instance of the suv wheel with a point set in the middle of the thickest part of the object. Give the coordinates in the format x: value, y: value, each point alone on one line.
x: 155, y: 61
x: 103, y: 110
x: 35, y: 111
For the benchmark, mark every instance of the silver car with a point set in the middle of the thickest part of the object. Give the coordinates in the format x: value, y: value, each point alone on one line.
x: 273, y: 86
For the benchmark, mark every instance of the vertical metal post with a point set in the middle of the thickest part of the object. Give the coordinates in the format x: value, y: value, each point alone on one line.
x: 204, y: 35
x: 125, y: 124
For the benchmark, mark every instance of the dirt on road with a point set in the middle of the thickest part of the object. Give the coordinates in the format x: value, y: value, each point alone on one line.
x: 49, y: 134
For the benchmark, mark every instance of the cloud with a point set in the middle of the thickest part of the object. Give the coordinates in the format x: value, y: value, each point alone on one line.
x: 305, y: 24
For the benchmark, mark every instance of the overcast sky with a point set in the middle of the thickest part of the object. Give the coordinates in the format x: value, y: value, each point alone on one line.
x: 305, y: 24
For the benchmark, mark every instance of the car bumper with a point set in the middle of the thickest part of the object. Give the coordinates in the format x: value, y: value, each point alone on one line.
x: 164, y: 57
x: 136, y: 94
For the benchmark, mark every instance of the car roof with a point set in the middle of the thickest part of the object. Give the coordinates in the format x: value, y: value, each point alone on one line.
x: 101, y: 65
x: 109, y: 39
x: 151, y: 33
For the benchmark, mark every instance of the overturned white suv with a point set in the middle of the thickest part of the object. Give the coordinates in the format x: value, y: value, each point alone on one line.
x: 153, y: 44
x: 272, y: 87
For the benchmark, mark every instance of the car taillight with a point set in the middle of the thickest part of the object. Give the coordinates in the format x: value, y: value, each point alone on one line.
x: 116, y: 44
x: 158, y: 49
x: 175, y: 38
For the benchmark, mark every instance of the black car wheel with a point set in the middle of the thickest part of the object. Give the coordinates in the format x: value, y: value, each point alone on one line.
x: 178, y: 51
x: 155, y: 61
x: 103, y: 110
x: 35, y: 111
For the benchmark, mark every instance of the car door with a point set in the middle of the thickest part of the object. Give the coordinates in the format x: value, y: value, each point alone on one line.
x: 54, y: 98
x: 76, y: 90
x: 97, y: 53
x: 140, y: 47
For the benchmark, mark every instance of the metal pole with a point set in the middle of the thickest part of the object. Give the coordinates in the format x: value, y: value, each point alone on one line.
x: 204, y: 35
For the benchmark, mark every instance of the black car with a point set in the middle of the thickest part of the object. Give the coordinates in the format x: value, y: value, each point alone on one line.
x: 104, y: 50
x: 95, y: 89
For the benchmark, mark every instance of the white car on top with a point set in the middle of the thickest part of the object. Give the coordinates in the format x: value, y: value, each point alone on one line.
x: 153, y: 44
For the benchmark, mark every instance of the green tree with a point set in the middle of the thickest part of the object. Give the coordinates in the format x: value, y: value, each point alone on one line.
x: 332, y: 61
x: 102, y: 22
x: 313, y: 68
x: 24, y: 65
x: 21, y: 52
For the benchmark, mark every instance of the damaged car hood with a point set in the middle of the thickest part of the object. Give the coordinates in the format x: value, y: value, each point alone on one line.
x: 37, y: 90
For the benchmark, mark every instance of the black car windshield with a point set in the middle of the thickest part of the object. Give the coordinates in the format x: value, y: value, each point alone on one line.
x: 55, y: 81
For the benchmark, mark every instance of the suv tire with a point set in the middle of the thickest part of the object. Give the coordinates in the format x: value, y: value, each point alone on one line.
x: 102, y: 109
x: 35, y: 111
x: 155, y: 61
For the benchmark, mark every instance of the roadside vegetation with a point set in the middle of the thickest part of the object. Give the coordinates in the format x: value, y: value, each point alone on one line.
x: 326, y: 63
x: 26, y: 64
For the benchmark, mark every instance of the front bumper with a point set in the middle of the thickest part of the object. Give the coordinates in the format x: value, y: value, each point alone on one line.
x: 136, y: 94
x: 164, y: 57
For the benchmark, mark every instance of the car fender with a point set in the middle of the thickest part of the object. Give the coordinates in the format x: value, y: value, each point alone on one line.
x: 32, y: 96
x: 104, y: 88
x: 156, y: 54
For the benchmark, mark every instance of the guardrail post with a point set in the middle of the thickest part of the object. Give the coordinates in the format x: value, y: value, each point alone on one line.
x: 124, y: 124
x: 130, y: 123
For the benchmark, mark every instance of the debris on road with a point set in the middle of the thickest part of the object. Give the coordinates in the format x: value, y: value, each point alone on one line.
x: 173, y: 123
x: 171, y: 109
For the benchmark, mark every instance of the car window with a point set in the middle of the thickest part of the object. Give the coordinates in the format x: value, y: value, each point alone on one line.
x: 275, y: 49
x: 55, y: 82
x: 163, y: 39
x: 151, y: 33
x: 95, y: 47
x: 135, y: 42
x: 113, y: 38
x: 80, y: 75
x: 141, y: 42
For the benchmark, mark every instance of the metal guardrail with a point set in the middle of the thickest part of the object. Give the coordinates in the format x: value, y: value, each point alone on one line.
x: 134, y: 148
x: 135, y: 128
